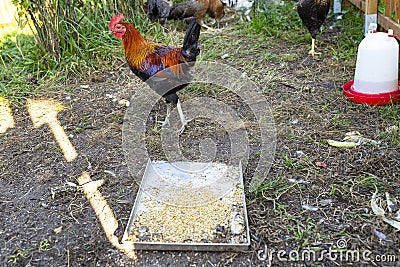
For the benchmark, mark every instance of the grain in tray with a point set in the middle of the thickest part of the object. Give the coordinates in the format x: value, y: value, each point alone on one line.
x: 221, y: 221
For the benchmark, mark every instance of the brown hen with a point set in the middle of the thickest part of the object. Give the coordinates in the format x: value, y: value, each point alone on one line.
x: 198, y: 9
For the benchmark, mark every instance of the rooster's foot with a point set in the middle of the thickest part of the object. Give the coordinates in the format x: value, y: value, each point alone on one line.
x: 182, y: 129
x: 164, y: 123
x: 313, y: 53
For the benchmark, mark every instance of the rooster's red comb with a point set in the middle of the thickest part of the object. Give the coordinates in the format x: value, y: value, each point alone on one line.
x: 115, y: 20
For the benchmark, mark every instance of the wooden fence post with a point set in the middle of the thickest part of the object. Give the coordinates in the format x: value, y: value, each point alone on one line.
x: 370, y: 7
x: 389, y: 7
x: 371, y: 15
x: 397, y: 11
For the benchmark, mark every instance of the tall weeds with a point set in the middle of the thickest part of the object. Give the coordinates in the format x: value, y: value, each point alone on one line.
x: 73, y: 33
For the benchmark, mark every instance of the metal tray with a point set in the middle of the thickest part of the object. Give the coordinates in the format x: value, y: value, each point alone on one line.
x: 161, y: 186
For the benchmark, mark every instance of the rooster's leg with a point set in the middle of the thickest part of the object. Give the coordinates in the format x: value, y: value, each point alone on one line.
x: 205, y: 26
x: 312, y: 51
x: 218, y: 24
x: 182, y: 117
x: 166, y: 121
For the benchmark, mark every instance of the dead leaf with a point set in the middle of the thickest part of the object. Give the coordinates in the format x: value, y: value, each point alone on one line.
x: 380, y: 235
x: 321, y: 164
x: 352, y: 139
x: 391, y: 204
x: 58, y: 230
x: 393, y: 223
x: 375, y: 207
x: 97, y: 79
x: 381, y: 212
x: 309, y: 207
x: 341, y: 144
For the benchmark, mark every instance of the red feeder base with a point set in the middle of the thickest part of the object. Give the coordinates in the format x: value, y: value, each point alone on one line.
x: 371, y: 99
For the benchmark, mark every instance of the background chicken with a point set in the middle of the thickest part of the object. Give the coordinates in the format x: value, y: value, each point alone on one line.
x: 243, y: 7
x: 198, y: 9
x: 313, y: 14
x: 185, y: 11
x: 168, y: 64
x: 158, y: 10
x: 215, y: 9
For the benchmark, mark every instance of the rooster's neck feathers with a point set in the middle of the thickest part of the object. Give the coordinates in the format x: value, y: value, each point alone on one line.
x: 135, y: 46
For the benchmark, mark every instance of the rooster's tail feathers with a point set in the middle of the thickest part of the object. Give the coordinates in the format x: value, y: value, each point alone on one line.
x: 190, y: 48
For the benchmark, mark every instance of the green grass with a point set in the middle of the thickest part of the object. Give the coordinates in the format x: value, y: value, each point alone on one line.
x: 301, y: 233
x: 271, y: 188
x: 279, y: 21
x: 17, y: 55
x: 357, y: 187
x: 77, y: 49
x: 369, y: 182
x: 391, y: 114
x: 44, y: 246
x: 20, y: 255
x: 351, y: 28
x: 300, y: 165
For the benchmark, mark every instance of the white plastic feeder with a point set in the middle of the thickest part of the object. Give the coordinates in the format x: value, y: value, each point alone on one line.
x: 376, y: 76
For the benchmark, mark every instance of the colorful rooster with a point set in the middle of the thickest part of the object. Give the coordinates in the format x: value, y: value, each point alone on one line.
x: 169, y: 65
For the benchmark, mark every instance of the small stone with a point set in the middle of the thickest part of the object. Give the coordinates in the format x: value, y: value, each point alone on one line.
x: 380, y: 235
x: 309, y: 207
x: 124, y: 103
x: 220, y: 228
x: 224, y: 56
x: 236, y: 223
x: 143, y: 229
x: 142, y: 236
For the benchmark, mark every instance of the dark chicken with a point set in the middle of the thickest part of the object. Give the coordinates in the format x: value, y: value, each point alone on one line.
x: 313, y: 14
x: 185, y: 11
x: 158, y: 10
x: 169, y: 66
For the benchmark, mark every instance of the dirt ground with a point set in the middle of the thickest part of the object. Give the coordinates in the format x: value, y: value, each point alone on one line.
x: 44, y: 221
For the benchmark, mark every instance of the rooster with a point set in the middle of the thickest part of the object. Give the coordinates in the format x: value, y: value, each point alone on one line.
x: 313, y: 14
x: 169, y: 65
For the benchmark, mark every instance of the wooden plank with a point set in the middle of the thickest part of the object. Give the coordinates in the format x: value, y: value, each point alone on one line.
x: 397, y: 11
x: 388, y: 7
x: 358, y: 3
x: 387, y: 23
x: 371, y: 7
x: 391, y: 7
